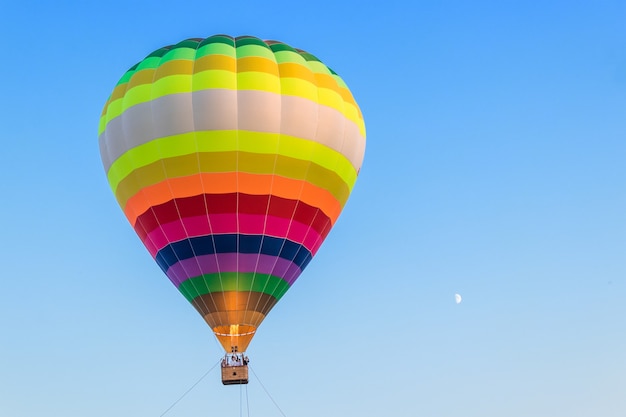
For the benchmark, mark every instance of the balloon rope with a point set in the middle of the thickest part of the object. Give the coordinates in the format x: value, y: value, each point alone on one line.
x: 268, y: 394
x: 241, y: 400
x: 241, y: 388
x: 247, y: 402
x: 189, y: 390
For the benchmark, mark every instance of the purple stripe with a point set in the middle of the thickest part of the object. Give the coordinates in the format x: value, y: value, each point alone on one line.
x: 233, y: 262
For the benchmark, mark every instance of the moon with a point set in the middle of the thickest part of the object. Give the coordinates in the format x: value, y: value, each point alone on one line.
x: 458, y: 298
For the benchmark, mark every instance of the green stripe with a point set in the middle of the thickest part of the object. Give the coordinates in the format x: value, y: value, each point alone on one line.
x: 225, y: 39
x: 152, y: 62
x: 216, y: 49
x: 289, y: 56
x: 340, y: 82
x: 179, y: 53
x: 255, y: 50
x: 234, y: 281
x: 126, y: 77
x: 250, y: 40
x: 318, y: 67
x: 160, y: 52
x: 148, y: 62
x: 309, y: 57
x: 187, y: 43
x: 277, y: 47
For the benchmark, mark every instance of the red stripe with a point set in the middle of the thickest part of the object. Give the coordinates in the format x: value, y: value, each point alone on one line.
x: 181, y: 208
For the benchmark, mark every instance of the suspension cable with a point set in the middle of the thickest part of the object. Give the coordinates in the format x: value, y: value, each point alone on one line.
x: 247, y: 402
x: 189, y: 390
x: 241, y: 389
x: 264, y: 389
x: 241, y: 400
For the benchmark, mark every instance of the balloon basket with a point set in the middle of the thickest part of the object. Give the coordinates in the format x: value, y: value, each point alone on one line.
x: 235, y: 375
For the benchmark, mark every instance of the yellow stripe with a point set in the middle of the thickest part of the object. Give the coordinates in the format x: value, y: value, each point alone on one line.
x: 298, y: 88
x: 172, y: 84
x: 115, y: 109
x: 139, y: 94
x: 331, y: 99
x: 117, y: 94
x: 223, y: 162
x: 228, y: 141
x: 258, y: 81
x: 214, y: 79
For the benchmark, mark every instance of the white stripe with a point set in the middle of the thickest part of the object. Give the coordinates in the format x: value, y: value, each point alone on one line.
x: 256, y: 111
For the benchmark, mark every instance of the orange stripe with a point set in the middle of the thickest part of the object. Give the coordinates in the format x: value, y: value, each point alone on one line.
x: 215, y: 62
x: 257, y: 64
x: 175, y: 67
x: 223, y: 183
x: 291, y: 70
x: 144, y: 76
x: 327, y: 81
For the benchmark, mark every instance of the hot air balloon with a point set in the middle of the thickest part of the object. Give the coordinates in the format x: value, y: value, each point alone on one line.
x: 232, y: 159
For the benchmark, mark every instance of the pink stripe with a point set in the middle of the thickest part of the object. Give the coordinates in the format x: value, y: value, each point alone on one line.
x: 252, y: 224
x: 221, y: 223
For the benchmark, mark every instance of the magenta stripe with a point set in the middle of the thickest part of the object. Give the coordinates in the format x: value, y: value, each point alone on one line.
x: 252, y: 224
x: 233, y: 262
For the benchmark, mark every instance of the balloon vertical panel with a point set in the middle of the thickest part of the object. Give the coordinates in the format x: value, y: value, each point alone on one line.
x: 231, y: 158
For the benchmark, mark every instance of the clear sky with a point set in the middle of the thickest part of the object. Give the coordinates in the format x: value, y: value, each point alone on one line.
x: 494, y: 169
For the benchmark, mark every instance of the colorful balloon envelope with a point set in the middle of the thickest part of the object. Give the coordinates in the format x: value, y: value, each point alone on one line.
x: 232, y: 159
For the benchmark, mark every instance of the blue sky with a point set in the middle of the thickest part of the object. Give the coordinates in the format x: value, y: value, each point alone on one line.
x: 494, y: 168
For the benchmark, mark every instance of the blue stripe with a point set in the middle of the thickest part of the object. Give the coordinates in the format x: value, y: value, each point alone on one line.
x: 204, y: 245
